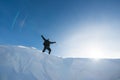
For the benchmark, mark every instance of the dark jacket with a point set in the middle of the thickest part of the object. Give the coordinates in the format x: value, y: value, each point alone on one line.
x: 47, y: 42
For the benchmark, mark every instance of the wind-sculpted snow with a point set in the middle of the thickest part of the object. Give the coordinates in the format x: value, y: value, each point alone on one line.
x: 28, y: 63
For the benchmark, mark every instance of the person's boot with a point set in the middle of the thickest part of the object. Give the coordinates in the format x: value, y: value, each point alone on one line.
x: 49, y: 52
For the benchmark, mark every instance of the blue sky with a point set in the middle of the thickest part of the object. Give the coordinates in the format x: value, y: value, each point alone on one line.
x: 81, y: 28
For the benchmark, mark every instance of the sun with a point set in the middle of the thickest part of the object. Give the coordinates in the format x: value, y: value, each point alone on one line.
x: 96, y: 52
x: 96, y: 58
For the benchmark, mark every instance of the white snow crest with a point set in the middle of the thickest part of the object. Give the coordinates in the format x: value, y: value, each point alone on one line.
x: 28, y: 63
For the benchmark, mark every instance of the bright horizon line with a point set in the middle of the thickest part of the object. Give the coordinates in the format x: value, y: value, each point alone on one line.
x: 96, y: 58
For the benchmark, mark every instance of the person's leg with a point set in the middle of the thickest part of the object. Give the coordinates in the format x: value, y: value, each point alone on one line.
x: 49, y: 50
x: 44, y: 49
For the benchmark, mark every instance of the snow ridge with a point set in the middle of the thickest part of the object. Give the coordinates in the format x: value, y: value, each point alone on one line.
x: 28, y: 63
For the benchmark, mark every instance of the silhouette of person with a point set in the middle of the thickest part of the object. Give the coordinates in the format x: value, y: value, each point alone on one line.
x: 46, y: 44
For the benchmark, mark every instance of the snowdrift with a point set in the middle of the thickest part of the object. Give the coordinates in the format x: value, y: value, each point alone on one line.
x: 26, y: 63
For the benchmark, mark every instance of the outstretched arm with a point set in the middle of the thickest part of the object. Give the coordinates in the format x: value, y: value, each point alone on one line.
x: 52, y: 42
x: 43, y: 37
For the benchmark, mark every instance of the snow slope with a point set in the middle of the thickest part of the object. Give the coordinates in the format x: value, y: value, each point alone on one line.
x: 26, y: 63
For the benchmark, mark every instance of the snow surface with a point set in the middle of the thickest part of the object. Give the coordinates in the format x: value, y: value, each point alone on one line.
x: 28, y: 63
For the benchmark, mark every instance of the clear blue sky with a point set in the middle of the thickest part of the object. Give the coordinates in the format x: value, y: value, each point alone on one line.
x: 81, y: 28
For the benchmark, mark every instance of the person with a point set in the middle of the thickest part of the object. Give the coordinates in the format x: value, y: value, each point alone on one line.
x: 47, y: 44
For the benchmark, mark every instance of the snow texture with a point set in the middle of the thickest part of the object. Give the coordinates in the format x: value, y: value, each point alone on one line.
x: 28, y: 63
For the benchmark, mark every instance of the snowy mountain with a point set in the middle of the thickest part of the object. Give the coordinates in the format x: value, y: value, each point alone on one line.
x: 27, y: 63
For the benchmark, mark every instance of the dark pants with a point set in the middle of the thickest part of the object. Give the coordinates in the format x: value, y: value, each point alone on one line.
x: 46, y: 47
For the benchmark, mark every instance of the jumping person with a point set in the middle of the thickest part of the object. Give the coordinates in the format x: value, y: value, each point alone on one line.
x: 46, y: 44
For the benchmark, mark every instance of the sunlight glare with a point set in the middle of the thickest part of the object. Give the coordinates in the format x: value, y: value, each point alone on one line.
x: 96, y: 51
